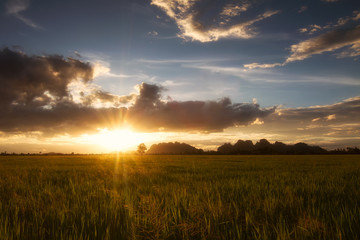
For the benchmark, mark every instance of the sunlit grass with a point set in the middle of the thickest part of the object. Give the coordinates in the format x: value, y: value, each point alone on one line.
x: 179, y: 197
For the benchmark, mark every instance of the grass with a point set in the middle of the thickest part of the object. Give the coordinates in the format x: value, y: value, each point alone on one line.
x: 180, y: 197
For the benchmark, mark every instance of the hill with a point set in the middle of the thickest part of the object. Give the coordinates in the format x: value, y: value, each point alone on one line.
x: 265, y: 147
x: 173, y: 148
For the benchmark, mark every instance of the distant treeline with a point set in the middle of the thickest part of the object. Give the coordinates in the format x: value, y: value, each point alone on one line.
x: 247, y: 147
x: 241, y: 147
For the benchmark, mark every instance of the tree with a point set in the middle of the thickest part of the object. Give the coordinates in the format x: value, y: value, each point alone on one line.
x: 141, y: 149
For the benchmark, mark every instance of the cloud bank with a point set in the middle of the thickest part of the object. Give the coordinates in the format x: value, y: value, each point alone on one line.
x: 36, y: 95
x: 334, y: 125
x: 206, y: 21
x: 150, y: 112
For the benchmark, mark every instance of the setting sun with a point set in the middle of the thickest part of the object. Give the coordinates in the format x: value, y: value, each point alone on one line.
x: 118, y: 140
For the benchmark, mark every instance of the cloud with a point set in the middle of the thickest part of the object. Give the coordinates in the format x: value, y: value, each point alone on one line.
x: 151, y: 113
x: 55, y: 95
x: 204, y: 21
x: 347, y: 109
x: 37, y: 98
x: 257, y: 122
x: 266, y: 65
x: 356, y: 15
x: 26, y: 79
x: 352, y: 51
x: 313, y: 28
x: 331, y: 117
x: 327, y: 42
x: 35, y: 95
x: 153, y: 33
x: 269, y: 75
x: 333, y: 40
x: 232, y: 10
x: 319, y: 120
x: 15, y: 7
x: 333, y: 125
x: 303, y: 9
x: 102, y: 98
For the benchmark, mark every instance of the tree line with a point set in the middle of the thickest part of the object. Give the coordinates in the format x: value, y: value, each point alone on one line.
x: 263, y: 146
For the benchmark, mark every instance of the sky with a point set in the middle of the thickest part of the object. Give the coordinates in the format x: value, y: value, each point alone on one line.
x: 99, y: 76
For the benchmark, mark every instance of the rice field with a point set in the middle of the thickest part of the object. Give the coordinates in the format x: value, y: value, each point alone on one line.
x: 180, y: 197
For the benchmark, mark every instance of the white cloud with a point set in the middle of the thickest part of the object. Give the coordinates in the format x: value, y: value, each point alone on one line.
x: 101, y: 65
x: 266, y: 65
x: 153, y: 33
x: 186, y: 14
x: 257, y: 122
x: 170, y: 83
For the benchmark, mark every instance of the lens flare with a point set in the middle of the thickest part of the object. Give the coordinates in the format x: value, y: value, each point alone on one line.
x: 119, y: 139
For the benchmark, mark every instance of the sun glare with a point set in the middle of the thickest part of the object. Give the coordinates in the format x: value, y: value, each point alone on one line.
x: 118, y: 140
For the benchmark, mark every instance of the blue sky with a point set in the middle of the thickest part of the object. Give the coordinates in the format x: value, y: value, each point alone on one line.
x: 289, y: 55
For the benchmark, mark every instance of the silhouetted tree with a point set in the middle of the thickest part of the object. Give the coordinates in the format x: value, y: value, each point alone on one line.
x: 244, y: 147
x: 263, y: 147
x: 226, y: 148
x: 280, y: 148
x: 141, y: 149
x: 353, y: 150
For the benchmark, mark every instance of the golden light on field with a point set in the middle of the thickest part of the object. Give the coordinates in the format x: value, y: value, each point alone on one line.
x: 119, y: 139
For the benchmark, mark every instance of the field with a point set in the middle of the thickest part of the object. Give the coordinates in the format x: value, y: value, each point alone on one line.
x: 180, y: 197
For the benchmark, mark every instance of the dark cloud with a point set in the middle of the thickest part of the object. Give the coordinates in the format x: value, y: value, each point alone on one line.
x: 150, y: 113
x: 35, y: 96
x: 64, y: 118
x: 30, y: 80
x: 35, y: 99
x: 105, y: 97
x: 348, y: 109
x: 327, y: 125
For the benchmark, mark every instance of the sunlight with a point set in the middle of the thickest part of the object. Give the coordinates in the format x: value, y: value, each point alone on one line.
x: 119, y: 139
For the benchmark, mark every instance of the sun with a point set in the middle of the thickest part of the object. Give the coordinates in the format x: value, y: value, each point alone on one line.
x: 118, y: 140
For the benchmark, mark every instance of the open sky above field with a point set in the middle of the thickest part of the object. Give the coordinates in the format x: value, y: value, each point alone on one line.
x: 97, y: 76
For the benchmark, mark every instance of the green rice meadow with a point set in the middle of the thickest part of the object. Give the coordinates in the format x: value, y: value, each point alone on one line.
x: 180, y: 197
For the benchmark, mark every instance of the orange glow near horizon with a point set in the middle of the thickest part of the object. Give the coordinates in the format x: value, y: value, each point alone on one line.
x: 118, y: 139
